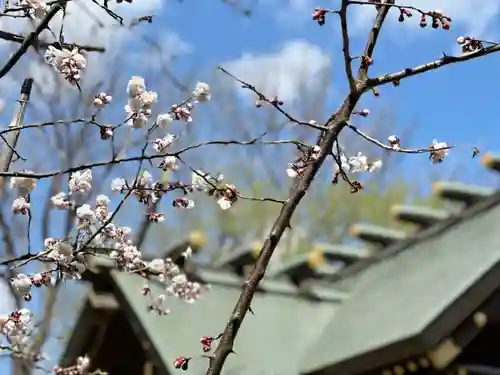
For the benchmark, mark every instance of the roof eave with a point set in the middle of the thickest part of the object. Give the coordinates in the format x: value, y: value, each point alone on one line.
x: 406, y: 348
x: 153, y: 351
x: 434, y: 333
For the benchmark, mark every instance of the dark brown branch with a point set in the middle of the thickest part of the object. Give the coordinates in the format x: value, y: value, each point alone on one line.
x: 334, y: 125
x: 10, y: 37
x: 345, y: 43
x: 40, y: 176
x: 445, y: 60
x: 31, y: 38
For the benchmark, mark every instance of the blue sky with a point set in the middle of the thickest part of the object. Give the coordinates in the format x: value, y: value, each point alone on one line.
x: 281, y: 50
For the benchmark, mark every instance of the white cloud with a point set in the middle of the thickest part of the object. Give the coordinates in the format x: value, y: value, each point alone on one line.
x: 296, y: 67
x: 87, y: 24
x: 475, y: 17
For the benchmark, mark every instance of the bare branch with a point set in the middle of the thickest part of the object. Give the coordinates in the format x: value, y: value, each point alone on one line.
x: 334, y: 125
x: 346, y: 47
x: 31, y: 38
x: 445, y: 60
x: 274, y: 103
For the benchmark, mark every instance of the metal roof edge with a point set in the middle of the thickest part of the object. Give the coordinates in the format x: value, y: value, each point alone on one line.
x: 426, y: 234
x: 137, y: 326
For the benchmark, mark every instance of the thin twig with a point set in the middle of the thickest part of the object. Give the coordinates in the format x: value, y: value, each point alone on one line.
x: 345, y: 45
x: 262, y: 97
x: 445, y: 60
x: 10, y: 37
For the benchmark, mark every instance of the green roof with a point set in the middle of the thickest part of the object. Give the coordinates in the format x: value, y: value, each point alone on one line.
x: 269, y: 342
x: 398, y: 298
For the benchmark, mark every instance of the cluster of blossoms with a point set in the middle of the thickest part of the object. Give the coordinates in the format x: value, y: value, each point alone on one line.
x: 437, y: 150
x: 148, y: 191
x: 69, y: 63
x: 24, y: 186
x: 353, y: 165
x: 140, y: 102
x: 15, y: 328
x: 36, y: 8
x: 182, y: 112
x: 22, y: 283
x: 347, y: 165
x: 469, y: 45
x: 167, y: 272
x: 81, y: 367
x: 93, y: 222
x: 101, y: 100
x: 305, y: 157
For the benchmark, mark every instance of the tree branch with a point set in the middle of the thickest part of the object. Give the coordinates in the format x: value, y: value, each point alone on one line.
x: 445, y: 60
x: 31, y: 38
x: 346, y: 47
x: 334, y: 125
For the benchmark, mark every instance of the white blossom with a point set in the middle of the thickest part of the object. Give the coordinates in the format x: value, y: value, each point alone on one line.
x: 69, y: 63
x: 224, y: 203
x: 118, y: 185
x: 164, y: 120
x: 157, y: 265
x: 169, y: 163
x: 61, y: 201
x: 438, y: 152
x: 101, y: 100
x: 201, y: 92
x: 102, y: 200
x: 24, y: 185
x: 158, y: 305
x: 62, y: 253
x: 85, y: 216
x: 81, y: 181
x: 357, y: 164
x: 22, y: 284
x: 20, y: 206
x: 136, y: 86
x: 201, y: 181
x: 161, y: 144
x: 292, y: 170
x: 82, y: 364
x: 140, y: 102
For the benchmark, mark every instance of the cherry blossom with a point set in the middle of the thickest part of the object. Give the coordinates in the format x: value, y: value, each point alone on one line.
x: 201, y: 92
x: 439, y: 151
x: 20, y: 206
x: 24, y: 185
x: 69, y: 63
x: 101, y: 100
x: 81, y: 181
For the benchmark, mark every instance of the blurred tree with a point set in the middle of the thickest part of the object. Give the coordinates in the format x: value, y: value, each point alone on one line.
x: 329, y: 209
